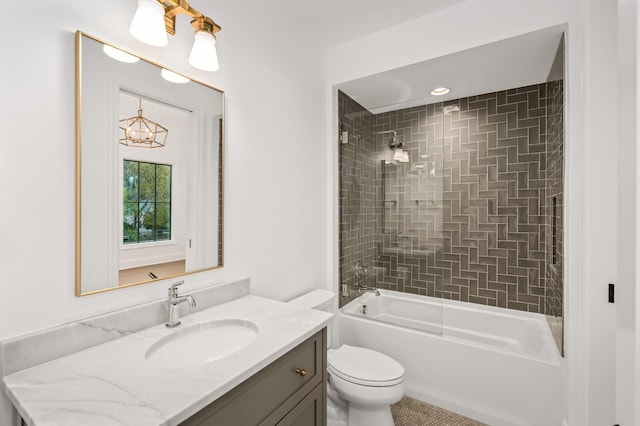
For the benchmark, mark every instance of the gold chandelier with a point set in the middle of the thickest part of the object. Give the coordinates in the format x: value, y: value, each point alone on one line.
x: 141, y: 132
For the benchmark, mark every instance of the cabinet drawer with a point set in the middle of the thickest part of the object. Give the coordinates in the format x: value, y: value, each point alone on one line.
x: 270, y: 394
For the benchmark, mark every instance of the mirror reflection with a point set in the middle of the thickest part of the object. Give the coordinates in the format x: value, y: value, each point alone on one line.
x: 149, y: 171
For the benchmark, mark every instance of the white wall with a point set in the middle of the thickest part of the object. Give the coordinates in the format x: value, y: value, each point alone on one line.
x: 598, y: 264
x: 627, y: 353
x: 275, y: 158
x: 592, y: 234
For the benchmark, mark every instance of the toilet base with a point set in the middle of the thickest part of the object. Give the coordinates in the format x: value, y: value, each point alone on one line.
x: 337, y: 410
x: 366, y: 416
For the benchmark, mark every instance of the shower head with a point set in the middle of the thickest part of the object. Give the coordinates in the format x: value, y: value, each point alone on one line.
x: 400, y: 154
x: 451, y: 108
x: 394, y: 141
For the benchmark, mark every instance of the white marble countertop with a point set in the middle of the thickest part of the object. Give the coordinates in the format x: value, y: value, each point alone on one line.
x: 113, y: 384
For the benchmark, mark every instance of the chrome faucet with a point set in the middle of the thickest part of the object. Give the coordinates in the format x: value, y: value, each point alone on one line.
x: 364, y: 289
x: 173, y: 302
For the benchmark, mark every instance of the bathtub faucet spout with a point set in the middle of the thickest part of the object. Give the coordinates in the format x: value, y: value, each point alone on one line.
x: 364, y: 289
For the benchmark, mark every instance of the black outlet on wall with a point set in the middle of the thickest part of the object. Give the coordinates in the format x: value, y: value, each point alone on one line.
x: 612, y: 299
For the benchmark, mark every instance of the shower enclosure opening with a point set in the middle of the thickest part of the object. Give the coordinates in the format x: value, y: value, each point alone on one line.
x: 457, y: 199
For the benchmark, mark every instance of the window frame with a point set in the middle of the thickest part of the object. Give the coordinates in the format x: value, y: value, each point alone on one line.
x: 154, y: 204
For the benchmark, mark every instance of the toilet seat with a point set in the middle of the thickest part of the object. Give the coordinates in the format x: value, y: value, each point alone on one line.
x: 365, y: 367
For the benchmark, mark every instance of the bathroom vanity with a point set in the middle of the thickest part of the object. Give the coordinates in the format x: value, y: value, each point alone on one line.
x: 277, y: 376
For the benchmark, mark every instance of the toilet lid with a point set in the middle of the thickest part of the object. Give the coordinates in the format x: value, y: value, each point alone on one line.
x: 365, y: 366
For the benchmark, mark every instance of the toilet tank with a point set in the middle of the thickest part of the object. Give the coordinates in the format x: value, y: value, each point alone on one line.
x: 322, y: 300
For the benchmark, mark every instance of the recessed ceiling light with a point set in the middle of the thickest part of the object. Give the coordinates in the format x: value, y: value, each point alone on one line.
x: 173, y: 77
x: 119, y: 55
x: 439, y: 91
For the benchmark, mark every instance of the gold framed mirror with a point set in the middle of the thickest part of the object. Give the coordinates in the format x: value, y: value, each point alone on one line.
x: 149, y: 170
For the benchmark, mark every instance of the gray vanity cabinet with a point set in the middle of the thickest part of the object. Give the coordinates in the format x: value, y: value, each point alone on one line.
x: 289, y: 391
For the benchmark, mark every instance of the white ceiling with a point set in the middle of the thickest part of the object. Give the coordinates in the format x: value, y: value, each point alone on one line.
x: 510, y: 63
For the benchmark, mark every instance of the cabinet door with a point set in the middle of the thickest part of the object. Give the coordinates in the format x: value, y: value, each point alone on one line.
x: 270, y: 394
x: 309, y: 412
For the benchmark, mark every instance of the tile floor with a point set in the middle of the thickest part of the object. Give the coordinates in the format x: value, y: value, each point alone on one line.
x: 411, y: 412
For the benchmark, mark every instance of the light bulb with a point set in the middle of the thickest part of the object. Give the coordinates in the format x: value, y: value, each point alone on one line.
x: 203, y: 54
x: 148, y: 23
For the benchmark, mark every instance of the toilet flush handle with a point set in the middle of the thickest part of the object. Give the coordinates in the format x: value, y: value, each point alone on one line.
x: 301, y: 371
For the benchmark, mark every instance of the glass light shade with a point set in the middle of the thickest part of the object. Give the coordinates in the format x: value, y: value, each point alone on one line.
x: 173, y: 77
x: 397, y: 154
x: 119, y: 55
x: 405, y: 157
x: 203, y: 54
x: 148, y: 23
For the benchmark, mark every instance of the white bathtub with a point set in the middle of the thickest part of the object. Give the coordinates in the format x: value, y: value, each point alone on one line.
x: 496, y: 365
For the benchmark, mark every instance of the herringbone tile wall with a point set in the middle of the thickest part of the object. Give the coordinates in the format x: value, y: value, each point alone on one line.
x: 490, y: 158
x: 468, y: 217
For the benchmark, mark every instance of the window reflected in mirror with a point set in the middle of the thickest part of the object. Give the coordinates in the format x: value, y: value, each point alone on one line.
x: 146, y: 202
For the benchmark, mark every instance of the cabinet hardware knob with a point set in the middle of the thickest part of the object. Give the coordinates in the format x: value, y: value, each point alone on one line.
x: 302, y: 372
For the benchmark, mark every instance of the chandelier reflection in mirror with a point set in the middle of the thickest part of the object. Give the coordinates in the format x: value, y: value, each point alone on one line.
x: 141, y: 132
x: 154, y: 19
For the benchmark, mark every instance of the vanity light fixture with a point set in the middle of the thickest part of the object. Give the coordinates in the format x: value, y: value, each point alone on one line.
x: 141, y: 132
x: 439, y: 91
x: 154, y: 19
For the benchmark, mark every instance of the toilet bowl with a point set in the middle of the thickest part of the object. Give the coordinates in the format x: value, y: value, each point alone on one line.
x: 367, y: 382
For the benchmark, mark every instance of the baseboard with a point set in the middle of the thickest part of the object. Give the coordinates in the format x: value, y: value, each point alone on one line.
x: 150, y: 260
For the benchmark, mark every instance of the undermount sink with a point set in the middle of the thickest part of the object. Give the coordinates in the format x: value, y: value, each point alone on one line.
x: 201, y: 343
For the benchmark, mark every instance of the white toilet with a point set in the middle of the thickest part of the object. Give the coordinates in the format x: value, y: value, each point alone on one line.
x: 367, y: 380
